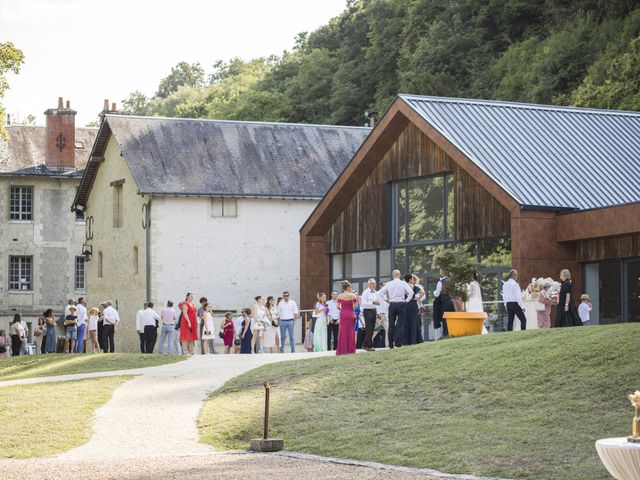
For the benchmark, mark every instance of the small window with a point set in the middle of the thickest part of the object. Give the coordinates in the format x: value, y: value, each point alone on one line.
x: 135, y: 260
x: 117, y: 206
x: 80, y: 286
x: 99, y: 264
x: 79, y: 145
x: 21, y: 203
x: 224, y: 207
x: 20, y: 273
x: 79, y: 216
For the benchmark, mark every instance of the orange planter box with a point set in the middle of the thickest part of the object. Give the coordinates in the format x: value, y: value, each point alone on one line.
x: 461, y: 324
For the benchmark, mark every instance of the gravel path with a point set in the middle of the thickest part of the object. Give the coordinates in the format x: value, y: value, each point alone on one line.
x: 148, y: 430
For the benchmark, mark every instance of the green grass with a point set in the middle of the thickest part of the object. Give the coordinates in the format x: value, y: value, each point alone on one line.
x: 516, y: 405
x: 48, y: 418
x: 30, y: 366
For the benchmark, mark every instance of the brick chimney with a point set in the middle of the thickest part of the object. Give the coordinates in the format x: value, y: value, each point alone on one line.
x: 60, y: 141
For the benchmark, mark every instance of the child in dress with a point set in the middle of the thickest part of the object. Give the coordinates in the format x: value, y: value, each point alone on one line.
x: 308, y: 337
x: 584, y: 309
x: 93, y: 330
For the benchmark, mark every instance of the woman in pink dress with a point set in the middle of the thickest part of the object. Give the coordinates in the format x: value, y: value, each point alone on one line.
x: 188, y: 325
x: 347, y: 302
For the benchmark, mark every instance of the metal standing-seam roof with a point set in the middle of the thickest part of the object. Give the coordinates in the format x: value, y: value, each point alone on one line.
x: 174, y: 156
x: 544, y: 156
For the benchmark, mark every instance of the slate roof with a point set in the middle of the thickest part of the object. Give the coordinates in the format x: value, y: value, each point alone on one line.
x: 23, y: 154
x: 544, y: 156
x: 173, y: 156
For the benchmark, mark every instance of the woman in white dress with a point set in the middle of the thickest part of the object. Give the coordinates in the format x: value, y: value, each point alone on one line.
x: 208, y: 331
x: 474, y: 298
x: 271, y: 334
x: 258, y: 313
x: 320, y: 332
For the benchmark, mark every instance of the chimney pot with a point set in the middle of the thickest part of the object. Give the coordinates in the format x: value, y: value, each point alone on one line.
x: 105, y: 108
x: 60, y: 103
x: 68, y: 105
x: 113, y: 107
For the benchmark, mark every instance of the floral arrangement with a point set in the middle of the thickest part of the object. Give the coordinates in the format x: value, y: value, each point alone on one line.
x: 532, y: 292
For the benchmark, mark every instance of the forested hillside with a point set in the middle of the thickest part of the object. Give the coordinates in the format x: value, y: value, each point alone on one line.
x: 564, y: 52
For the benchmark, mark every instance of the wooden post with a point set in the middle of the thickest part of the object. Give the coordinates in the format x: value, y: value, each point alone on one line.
x: 267, y: 390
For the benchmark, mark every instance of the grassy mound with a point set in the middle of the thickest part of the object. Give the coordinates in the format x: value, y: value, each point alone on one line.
x: 516, y: 405
x: 29, y: 366
x: 47, y: 418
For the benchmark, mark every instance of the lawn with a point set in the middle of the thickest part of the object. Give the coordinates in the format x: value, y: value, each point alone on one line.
x: 29, y: 366
x: 48, y: 418
x: 515, y: 405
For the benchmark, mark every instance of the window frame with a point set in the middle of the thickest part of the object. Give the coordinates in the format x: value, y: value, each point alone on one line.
x: 22, y: 189
x: 223, y: 200
x: 12, y: 282
x: 80, y: 259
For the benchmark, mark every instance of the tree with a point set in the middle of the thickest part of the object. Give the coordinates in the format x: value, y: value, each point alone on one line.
x: 137, y: 104
x: 183, y: 74
x: 10, y: 60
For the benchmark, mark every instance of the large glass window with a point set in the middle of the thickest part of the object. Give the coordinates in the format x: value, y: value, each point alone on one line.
x: 633, y: 291
x: 20, y: 273
x: 20, y: 203
x: 80, y: 277
x: 360, y: 265
x: 614, y: 290
x: 424, y: 209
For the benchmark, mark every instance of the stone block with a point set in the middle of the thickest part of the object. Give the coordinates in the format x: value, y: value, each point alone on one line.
x: 267, y: 444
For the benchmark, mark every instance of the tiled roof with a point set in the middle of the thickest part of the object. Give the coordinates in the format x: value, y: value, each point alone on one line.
x: 171, y: 156
x: 24, y: 152
x: 544, y: 156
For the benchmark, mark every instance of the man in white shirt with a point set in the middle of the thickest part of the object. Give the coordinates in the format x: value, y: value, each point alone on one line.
x: 370, y: 302
x: 398, y: 294
x: 149, y: 321
x: 81, y: 313
x: 288, y: 311
x: 140, y: 328
x: 334, y: 322
x: 512, y: 297
x: 111, y: 318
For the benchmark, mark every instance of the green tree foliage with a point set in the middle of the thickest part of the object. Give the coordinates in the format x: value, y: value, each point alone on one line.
x: 11, y: 58
x: 137, y: 104
x: 582, y: 52
x: 183, y: 74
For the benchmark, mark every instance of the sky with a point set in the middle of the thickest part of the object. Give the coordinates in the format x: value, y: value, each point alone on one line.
x: 87, y: 50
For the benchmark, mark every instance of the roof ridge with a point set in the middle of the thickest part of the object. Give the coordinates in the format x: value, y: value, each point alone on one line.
x: 251, y: 122
x: 520, y: 105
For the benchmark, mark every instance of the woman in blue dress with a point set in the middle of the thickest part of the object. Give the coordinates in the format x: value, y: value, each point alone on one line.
x: 50, y: 322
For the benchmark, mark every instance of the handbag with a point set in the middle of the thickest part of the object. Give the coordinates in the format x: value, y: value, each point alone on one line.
x: 539, y: 306
x: 221, y: 334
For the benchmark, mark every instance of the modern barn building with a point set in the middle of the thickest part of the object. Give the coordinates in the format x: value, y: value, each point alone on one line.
x: 538, y: 188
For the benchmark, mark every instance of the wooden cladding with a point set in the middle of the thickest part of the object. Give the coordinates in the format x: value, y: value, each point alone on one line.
x: 608, y: 248
x: 364, y: 224
x: 477, y: 213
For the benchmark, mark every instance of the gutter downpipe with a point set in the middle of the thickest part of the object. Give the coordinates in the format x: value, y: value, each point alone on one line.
x: 147, y: 221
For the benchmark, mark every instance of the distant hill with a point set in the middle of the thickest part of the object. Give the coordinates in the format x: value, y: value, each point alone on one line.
x: 584, y: 53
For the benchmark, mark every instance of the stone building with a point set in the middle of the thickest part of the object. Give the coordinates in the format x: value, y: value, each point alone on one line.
x: 40, y: 238
x: 203, y: 206
x: 535, y: 187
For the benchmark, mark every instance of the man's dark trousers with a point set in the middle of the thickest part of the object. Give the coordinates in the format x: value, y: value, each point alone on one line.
x: 332, y: 332
x: 150, y: 334
x: 515, y: 310
x: 107, y: 338
x: 396, y: 323
x: 143, y: 342
x: 369, y: 315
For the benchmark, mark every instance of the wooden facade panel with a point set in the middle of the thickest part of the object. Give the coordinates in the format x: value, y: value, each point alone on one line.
x: 364, y: 224
x: 608, y: 248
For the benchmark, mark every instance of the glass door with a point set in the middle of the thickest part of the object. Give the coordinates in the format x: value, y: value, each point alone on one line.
x: 633, y: 290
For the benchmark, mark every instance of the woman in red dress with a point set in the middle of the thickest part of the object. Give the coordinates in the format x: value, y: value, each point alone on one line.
x: 347, y: 302
x: 227, y: 328
x: 188, y: 325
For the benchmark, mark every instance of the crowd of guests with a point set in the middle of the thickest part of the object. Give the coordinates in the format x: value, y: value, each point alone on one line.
x: 344, y: 323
